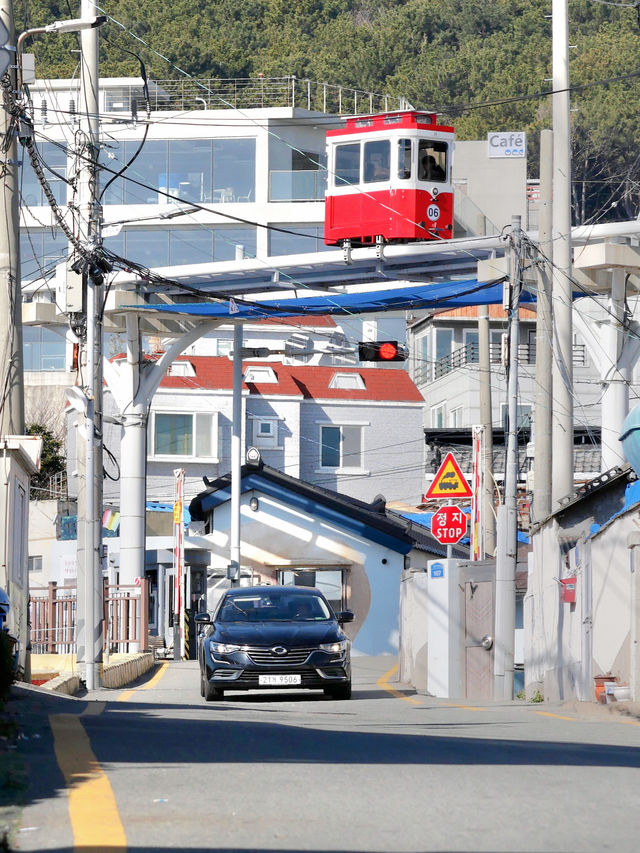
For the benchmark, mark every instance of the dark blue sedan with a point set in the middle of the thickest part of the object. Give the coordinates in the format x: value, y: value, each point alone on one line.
x: 274, y: 637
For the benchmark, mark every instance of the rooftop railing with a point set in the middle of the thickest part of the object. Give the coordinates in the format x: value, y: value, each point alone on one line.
x: 254, y: 92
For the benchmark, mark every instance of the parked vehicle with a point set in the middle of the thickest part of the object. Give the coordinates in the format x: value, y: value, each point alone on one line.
x: 275, y: 637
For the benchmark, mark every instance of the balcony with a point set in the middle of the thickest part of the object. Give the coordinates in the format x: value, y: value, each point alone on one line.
x: 469, y: 354
x: 297, y: 185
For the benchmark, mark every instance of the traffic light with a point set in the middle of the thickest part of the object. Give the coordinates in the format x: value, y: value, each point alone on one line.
x: 381, y: 351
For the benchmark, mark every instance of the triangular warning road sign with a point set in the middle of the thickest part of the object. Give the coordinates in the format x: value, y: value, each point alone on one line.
x: 449, y: 482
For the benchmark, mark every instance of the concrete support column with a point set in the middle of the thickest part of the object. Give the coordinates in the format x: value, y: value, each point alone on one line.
x: 615, y: 399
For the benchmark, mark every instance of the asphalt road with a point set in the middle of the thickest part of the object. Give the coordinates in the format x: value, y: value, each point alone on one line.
x: 156, y: 768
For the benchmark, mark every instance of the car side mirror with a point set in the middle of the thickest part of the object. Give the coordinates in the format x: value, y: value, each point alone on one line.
x: 345, y: 616
x: 202, y: 618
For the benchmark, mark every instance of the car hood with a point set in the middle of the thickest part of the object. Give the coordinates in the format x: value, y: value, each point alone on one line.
x: 277, y: 633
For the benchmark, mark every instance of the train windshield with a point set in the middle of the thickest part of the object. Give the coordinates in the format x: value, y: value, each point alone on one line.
x: 377, y: 161
x: 432, y: 160
x: 347, y: 169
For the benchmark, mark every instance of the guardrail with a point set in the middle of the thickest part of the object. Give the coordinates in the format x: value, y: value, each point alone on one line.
x: 53, y: 611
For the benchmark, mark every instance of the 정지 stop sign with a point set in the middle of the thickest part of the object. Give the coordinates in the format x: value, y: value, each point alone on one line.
x: 449, y: 524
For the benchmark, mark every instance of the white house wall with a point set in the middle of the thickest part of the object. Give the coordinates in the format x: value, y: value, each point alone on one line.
x: 278, y: 536
x: 567, y: 645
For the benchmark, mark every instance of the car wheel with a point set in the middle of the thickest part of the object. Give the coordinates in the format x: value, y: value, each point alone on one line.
x: 210, y: 692
x: 201, y: 683
x: 340, y: 691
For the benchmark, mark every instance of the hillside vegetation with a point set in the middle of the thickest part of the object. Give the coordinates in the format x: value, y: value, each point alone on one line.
x: 459, y: 57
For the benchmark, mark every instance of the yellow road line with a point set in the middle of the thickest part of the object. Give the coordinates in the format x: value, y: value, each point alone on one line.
x: 124, y: 697
x: 466, y: 707
x: 94, y: 816
x: 556, y: 716
x: 383, y: 682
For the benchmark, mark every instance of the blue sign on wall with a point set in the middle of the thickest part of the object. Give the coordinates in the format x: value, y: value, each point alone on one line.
x: 437, y: 570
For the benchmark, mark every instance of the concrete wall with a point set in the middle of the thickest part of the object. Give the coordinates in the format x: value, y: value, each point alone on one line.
x: 567, y: 645
x: 497, y: 186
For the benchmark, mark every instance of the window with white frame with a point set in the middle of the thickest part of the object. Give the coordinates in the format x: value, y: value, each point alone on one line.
x: 438, y: 415
x: 455, y: 417
x: 341, y: 446
x: 185, y: 434
x: 35, y: 564
x: 347, y: 382
x: 523, y: 416
x: 260, y: 374
x: 265, y: 432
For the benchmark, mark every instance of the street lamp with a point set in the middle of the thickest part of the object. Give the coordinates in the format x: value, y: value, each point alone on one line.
x: 74, y: 25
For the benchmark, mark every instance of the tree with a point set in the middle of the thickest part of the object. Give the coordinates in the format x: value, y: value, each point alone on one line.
x: 52, y: 461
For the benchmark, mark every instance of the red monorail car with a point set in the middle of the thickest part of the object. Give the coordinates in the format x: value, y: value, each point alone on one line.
x: 389, y: 177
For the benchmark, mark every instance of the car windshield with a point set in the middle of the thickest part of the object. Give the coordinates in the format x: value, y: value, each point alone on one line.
x: 269, y: 607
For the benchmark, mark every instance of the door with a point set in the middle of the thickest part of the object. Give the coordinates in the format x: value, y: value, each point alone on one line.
x: 478, y: 610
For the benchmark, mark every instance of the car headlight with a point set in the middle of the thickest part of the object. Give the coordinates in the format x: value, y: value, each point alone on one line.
x: 335, y: 648
x: 223, y: 648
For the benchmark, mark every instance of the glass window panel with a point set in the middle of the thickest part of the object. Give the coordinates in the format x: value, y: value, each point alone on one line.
x: 351, y: 447
x: 189, y: 175
x: 305, y: 240
x: 330, y: 447
x: 30, y: 254
x: 112, y: 158
x: 329, y: 582
x: 234, y: 170
x: 432, y: 160
x: 55, y: 248
x: 115, y: 244
x: 472, y: 346
x: 347, y: 164
x: 150, y: 169
x: 444, y: 341
x: 147, y: 247
x: 404, y: 158
x: 173, y: 435
x: 190, y: 246
x: 204, y: 433
x: 226, y: 240
x: 377, y: 160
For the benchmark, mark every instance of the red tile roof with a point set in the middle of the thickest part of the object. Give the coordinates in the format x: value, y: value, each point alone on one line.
x: 306, y: 382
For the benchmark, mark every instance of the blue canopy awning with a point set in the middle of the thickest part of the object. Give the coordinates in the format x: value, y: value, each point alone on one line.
x: 449, y: 294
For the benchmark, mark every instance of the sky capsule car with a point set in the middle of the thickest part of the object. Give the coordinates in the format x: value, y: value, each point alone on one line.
x: 389, y: 177
x: 274, y: 637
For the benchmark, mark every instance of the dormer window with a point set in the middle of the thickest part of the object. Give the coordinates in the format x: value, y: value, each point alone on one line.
x: 347, y: 382
x: 260, y: 375
x: 181, y: 368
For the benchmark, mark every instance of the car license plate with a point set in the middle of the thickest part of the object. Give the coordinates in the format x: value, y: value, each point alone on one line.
x: 279, y: 680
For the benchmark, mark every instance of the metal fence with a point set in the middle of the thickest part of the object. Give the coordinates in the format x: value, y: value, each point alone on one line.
x: 53, y: 613
x: 253, y: 92
x: 469, y: 354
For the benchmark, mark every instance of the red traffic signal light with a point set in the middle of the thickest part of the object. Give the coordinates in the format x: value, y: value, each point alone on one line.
x: 381, y: 351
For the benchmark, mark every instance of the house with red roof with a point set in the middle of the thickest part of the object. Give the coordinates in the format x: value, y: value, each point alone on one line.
x: 355, y: 430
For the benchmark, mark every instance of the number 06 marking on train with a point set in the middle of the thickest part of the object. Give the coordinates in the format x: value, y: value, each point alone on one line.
x: 433, y: 212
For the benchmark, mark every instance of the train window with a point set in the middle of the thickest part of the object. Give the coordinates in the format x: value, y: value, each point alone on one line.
x: 377, y: 161
x: 404, y: 158
x: 432, y: 160
x: 347, y: 164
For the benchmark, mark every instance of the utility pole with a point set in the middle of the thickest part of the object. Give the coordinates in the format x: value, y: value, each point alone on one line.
x: 562, y: 289
x: 91, y: 237
x: 615, y: 398
x: 236, y: 457
x: 486, y: 419
x: 506, y: 556
x: 11, y: 366
x: 544, y: 340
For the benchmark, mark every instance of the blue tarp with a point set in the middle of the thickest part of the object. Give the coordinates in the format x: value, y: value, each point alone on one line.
x: 631, y: 498
x: 446, y: 294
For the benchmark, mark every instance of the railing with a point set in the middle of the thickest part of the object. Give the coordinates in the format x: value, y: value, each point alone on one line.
x: 469, y: 220
x: 469, y: 354
x: 300, y: 185
x: 253, y: 92
x: 53, y: 611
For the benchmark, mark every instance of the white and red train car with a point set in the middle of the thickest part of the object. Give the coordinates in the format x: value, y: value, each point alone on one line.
x: 389, y: 178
